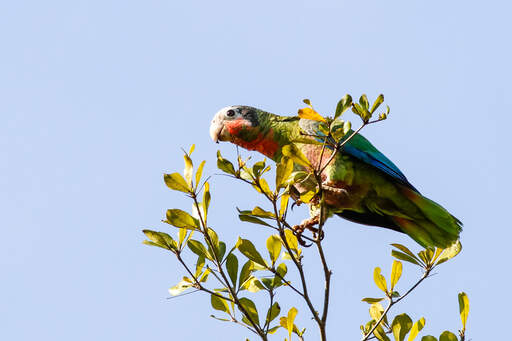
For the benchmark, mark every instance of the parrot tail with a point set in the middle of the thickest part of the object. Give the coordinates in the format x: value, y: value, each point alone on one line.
x: 437, y: 228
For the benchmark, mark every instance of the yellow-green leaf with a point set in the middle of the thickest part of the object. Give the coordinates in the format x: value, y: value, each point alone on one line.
x: 396, y: 272
x: 179, y: 288
x: 198, y: 248
x: 400, y: 326
x: 404, y: 257
x: 447, y: 336
x: 293, y: 152
x: 160, y: 239
x: 284, y: 204
x: 283, y: 171
x: 206, y: 199
x: 292, y: 313
x: 380, y: 334
x: 450, y: 252
x: 372, y: 300
x: 224, y: 164
x: 343, y: 105
x: 252, y: 219
x: 377, y: 103
x: 463, y: 308
x: 176, y: 182
x: 191, y: 150
x: 232, y: 267
x: 310, y: 114
x: 245, y: 273
x: 272, y: 312
x: 189, y: 168
x: 274, y: 247
x: 179, y: 218
x: 416, y: 328
x: 250, y: 309
x: 376, y: 311
x: 346, y: 127
x: 363, y: 101
x: 246, y: 247
x: 292, y: 241
x: 219, y: 304
x: 199, y: 172
x: 379, y: 280
x: 429, y: 338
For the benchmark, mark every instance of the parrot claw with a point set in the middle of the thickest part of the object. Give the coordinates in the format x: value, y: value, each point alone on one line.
x: 308, y: 224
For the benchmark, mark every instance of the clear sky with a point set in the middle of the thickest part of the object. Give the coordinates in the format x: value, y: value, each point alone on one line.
x: 97, y: 97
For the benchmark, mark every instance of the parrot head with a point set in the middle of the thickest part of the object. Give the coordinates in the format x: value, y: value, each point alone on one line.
x: 234, y: 122
x: 245, y: 126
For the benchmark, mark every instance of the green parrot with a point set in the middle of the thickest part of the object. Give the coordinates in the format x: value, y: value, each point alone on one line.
x: 360, y: 183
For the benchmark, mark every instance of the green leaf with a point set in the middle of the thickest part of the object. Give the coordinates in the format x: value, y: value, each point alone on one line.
x: 292, y: 241
x: 447, y: 336
x: 199, y: 266
x: 428, y: 338
x: 252, y: 219
x: 377, y: 103
x: 379, y: 280
x: 246, y: 247
x: 380, y: 334
x: 219, y: 304
x: 274, y: 247
x: 176, y: 182
x: 376, y: 311
x: 225, y: 165
x: 188, y: 170
x: 180, y: 287
x: 259, y: 212
x: 283, y: 171
x: 416, y: 328
x: 245, y: 273
x: 250, y: 309
x: 257, y: 167
x: 272, y: 312
x: 181, y: 218
x: 404, y: 257
x: 400, y: 326
x: 253, y: 284
x: 292, y: 313
x: 346, y: 127
x: 363, y: 101
x: 160, y: 239
x: 307, y: 101
x: 206, y: 199
x: 293, y: 152
x: 198, y: 248
x: 284, y: 205
x: 204, y: 276
x: 372, y: 300
x: 405, y: 250
x: 344, y: 103
x: 450, y: 252
x: 232, y: 267
x: 396, y: 273
x: 463, y: 308
x: 272, y: 330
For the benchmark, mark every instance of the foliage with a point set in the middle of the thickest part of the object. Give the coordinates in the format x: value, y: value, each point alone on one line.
x: 228, y: 273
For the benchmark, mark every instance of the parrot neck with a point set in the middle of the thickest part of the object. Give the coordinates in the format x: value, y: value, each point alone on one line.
x: 270, y: 135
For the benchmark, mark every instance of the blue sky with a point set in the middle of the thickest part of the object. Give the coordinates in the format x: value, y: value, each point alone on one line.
x: 97, y: 97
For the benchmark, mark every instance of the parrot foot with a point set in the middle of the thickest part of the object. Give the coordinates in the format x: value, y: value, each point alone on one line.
x: 334, y: 190
x: 307, y: 224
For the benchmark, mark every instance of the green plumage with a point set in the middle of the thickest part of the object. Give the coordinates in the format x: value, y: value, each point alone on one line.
x: 362, y: 184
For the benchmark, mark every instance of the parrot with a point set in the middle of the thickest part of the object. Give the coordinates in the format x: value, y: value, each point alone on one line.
x: 360, y: 184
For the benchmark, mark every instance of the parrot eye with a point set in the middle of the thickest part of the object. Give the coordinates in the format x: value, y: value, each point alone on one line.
x: 230, y: 113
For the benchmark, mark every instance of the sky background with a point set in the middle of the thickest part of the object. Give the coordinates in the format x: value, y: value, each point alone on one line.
x: 98, y: 97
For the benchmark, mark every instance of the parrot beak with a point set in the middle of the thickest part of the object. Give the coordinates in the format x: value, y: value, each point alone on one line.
x: 216, y: 128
